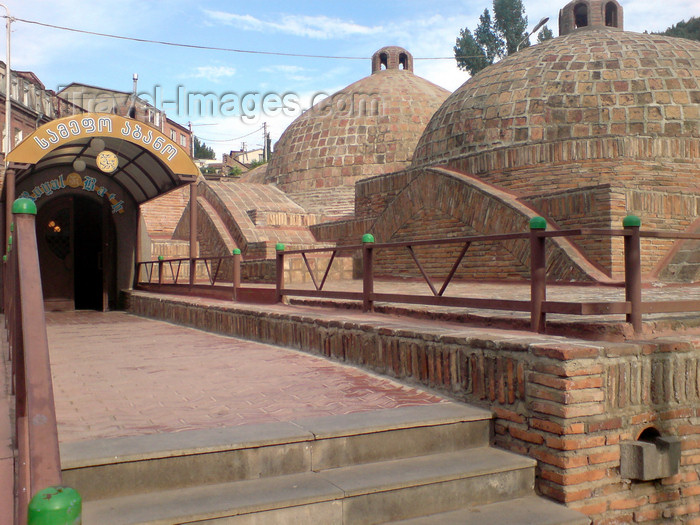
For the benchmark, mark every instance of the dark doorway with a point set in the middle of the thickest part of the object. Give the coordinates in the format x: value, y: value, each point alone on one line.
x: 87, y: 280
x: 74, y: 236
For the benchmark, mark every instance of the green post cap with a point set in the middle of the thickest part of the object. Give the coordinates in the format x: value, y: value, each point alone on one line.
x: 161, y: 258
x: 368, y: 237
x: 4, y: 258
x: 631, y: 220
x: 12, y: 226
x: 279, y: 247
x: 9, y: 240
x: 55, y: 506
x: 538, y: 223
x: 236, y: 251
x: 24, y: 205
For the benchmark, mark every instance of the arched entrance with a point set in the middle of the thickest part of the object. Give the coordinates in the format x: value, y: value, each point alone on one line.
x: 75, y: 236
x: 88, y: 174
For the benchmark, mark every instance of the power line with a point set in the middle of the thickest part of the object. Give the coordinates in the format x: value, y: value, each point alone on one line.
x: 209, y: 48
x: 231, y: 140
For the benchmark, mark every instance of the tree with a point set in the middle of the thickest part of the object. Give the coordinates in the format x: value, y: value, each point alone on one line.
x: 492, y: 40
x: 683, y: 29
x: 545, y: 34
x: 202, y: 151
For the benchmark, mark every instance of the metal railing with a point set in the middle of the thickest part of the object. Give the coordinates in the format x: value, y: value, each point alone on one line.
x: 180, y: 276
x: 538, y: 306
x: 164, y: 275
x: 38, y: 463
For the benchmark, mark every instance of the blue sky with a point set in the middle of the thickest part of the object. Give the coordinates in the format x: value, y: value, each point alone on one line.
x: 330, y: 28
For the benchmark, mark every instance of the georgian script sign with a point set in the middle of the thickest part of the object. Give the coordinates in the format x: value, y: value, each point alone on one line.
x: 75, y: 181
x: 90, y: 125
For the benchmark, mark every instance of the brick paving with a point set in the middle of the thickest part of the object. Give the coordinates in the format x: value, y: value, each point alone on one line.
x: 118, y: 375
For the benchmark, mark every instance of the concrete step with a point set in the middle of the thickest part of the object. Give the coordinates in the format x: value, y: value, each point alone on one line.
x: 364, y: 494
x: 134, y: 465
x: 530, y: 510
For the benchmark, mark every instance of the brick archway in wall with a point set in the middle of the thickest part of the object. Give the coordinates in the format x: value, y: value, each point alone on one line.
x: 445, y: 203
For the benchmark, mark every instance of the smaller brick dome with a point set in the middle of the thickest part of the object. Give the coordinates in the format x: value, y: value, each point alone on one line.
x: 369, y: 128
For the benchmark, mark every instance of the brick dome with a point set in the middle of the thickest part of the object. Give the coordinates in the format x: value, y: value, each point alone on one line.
x: 369, y: 128
x: 592, y: 83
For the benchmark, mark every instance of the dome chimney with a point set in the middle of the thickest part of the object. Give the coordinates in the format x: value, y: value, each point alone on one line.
x: 581, y: 14
x: 392, y: 57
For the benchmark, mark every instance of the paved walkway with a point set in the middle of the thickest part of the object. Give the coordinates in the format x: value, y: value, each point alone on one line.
x: 118, y: 375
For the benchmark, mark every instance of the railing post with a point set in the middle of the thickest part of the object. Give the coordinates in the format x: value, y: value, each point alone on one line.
x: 160, y: 269
x: 279, y: 272
x: 633, y: 271
x: 367, y: 272
x: 538, y: 275
x: 37, y: 434
x: 55, y: 506
x: 236, y: 272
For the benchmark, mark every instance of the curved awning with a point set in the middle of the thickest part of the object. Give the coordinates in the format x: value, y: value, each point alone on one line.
x: 148, y: 163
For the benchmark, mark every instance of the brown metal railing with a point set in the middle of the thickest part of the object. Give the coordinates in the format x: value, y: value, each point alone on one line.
x: 38, y: 463
x: 538, y: 306
x: 180, y: 276
x: 164, y: 275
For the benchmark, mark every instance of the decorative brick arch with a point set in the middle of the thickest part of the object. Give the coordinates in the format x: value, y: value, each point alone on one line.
x: 444, y: 203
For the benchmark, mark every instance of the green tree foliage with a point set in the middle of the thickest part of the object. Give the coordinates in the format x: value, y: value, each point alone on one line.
x: 257, y: 163
x: 683, y: 29
x: 202, y: 151
x: 544, y: 35
x: 492, y: 40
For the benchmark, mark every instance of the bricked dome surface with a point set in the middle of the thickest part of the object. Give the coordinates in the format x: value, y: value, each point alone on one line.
x: 593, y: 82
x: 369, y: 128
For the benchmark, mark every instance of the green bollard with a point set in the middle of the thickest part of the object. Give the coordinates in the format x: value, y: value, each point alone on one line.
x: 55, y: 506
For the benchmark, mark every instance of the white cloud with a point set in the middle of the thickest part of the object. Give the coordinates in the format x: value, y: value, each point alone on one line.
x: 213, y: 73
x: 318, y: 27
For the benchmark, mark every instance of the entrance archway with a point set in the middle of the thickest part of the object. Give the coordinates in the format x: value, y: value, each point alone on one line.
x: 88, y: 174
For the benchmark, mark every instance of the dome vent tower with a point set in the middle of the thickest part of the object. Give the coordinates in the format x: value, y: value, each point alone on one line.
x: 581, y: 14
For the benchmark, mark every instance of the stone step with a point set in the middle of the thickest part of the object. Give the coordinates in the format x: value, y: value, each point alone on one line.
x: 363, y: 494
x: 138, y: 464
x: 530, y: 510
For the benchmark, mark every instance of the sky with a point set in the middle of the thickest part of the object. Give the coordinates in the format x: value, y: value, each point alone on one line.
x: 247, y: 90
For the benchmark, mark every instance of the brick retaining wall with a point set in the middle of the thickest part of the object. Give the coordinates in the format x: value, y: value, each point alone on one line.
x: 566, y: 403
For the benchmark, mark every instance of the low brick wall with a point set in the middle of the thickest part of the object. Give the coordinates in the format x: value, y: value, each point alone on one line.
x: 566, y: 403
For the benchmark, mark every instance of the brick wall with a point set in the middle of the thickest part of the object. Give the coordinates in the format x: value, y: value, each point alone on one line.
x: 566, y: 403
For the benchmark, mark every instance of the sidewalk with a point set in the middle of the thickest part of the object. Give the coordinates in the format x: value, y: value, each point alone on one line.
x: 119, y: 375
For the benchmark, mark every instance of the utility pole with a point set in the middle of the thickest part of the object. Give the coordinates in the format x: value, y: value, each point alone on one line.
x: 8, y: 85
x: 191, y: 140
x: 264, y: 141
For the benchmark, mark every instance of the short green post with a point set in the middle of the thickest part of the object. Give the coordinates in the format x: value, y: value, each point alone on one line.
x: 633, y: 271
x: 538, y: 274
x: 367, y: 272
x: 279, y: 272
x: 160, y: 269
x: 55, y: 506
x: 236, y: 271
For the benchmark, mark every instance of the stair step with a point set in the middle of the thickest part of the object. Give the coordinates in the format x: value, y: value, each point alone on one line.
x: 131, y: 465
x: 520, y: 511
x: 364, y: 494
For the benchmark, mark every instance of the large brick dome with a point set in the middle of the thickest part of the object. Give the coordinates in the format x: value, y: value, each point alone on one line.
x: 368, y: 128
x: 591, y: 83
x: 584, y: 129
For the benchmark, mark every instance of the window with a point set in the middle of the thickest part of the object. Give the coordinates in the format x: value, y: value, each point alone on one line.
x: 173, y: 135
x: 183, y: 140
x: 611, y: 15
x: 18, y: 136
x: 403, y: 61
x: 383, y: 61
x: 581, y: 15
